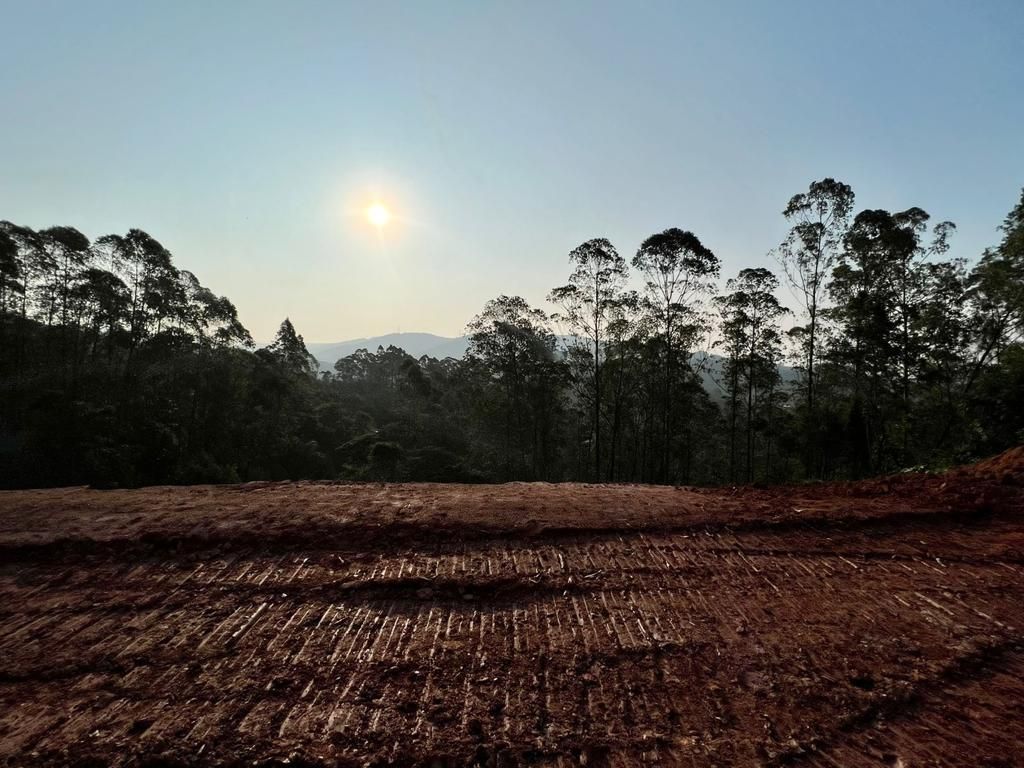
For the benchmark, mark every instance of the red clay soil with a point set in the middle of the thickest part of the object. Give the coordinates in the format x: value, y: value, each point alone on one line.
x: 316, y: 624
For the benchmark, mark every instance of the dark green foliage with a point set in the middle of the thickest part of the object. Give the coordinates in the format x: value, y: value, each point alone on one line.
x: 819, y: 220
x: 677, y: 270
x: 752, y: 343
x: 513, y: 352
x: 117, y: 368
x: 589, y: 302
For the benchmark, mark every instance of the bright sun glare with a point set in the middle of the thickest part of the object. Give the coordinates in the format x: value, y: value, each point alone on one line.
x: 378, y: 215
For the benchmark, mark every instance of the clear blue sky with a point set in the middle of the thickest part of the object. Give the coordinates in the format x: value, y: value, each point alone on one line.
x: 244, y: 135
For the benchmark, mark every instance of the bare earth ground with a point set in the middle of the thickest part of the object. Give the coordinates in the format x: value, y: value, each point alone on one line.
x: 878, y: 623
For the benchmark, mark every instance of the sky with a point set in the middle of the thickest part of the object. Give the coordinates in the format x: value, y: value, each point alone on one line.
x: 249, y: 137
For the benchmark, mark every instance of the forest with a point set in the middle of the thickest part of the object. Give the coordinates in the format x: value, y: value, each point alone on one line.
x: 120, y: 369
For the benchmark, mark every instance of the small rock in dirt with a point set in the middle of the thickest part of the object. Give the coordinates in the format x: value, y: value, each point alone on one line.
x: 863, y: 681
x: 408, y: 707
x: 140, y: 726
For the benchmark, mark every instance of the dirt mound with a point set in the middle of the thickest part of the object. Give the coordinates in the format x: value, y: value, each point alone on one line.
x: 1007, y: 467
x: 284, y: 517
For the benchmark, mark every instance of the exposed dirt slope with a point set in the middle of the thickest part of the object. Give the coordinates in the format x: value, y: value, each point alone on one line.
x: 878, y: 623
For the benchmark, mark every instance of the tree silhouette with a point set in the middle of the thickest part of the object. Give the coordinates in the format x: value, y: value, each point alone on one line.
x: 750, y: 314
x: 516, y: 347
x: 677, y: 270
x: 289, y: 351
x: 117, y: 367
x: 819, y: 221
x: 587, y: 302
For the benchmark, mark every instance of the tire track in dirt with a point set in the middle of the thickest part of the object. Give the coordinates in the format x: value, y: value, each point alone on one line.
x: 729, y: 629
x: 283, y: 518
x: 597, y: 660
x: 955, y: 720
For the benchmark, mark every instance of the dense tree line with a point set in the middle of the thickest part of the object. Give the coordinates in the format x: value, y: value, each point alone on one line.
x: 119, y: 368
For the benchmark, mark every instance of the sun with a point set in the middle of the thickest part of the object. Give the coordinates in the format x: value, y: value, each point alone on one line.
x: 378, y: 215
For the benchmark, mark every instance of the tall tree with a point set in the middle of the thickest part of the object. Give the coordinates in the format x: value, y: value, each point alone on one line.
x: 68, y: 251
x: 623, y: 340
x: 10, y: 272
x: 10, y: 288
x: 864, y: 291
x: 911, y: 286
x: 587, y: 302
x: 289, y: 351
x: 878, y: 289
x: 207, y: 317
x: 515, y: 345
x: 68, y: 254
x: 677, y: 270
x: 25, y: 255
x: 151, y: 277
x: 996, y: 291
x: 819, y: 219
x: 750, y: 322
x: 103, y: 298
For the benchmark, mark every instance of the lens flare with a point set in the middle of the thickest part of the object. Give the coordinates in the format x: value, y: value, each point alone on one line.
x: 378, y: 215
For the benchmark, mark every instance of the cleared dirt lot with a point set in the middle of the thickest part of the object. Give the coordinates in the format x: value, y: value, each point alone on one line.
x: 315, y: 624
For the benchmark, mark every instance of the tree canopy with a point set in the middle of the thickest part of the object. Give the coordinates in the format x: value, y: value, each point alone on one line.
x: 118, y: 367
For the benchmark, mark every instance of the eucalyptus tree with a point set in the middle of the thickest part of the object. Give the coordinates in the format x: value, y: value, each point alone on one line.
x: 24, y: 254
x: 515, y: 345
x: 750, y: 315
x: 819, y: 219
x: 288, y: 351
x: 914, y: 299
x: 587, y: 304
x: 210, y: 319
x: 622, y: 369
x: 68, y: 254
x: 880, y: 290
x: 147, y: 269
x: 10, y: 272
x: 990, y: 394
x: 103, y: 300
x: 945, y: 325
x: 863, y: 290
x: 10, y: 288
x: 996, y: 292
x: 678, y: 271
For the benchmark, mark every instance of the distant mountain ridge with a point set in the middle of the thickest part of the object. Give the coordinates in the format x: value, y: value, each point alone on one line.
x: 416, y: 344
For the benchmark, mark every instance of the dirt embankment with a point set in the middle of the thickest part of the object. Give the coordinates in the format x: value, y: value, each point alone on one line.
x: 875, y: 623
x: 323, y: 514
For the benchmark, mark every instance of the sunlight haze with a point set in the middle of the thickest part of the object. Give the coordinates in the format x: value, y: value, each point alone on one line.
x: 499, y: 137
x: 525, y: 383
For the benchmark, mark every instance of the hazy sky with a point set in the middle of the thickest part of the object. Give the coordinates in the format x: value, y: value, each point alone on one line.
x: 247, y: 137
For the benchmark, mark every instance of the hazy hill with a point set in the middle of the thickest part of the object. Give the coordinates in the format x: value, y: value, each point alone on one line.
x: 416, y: 344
